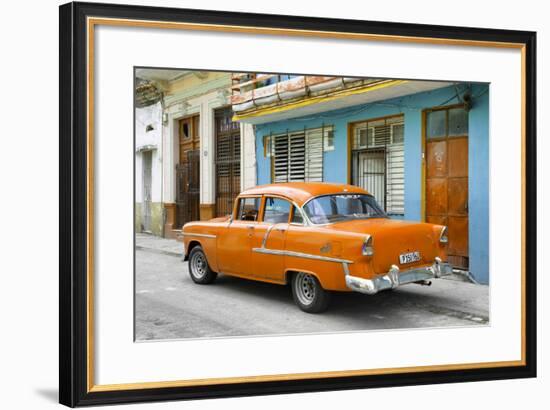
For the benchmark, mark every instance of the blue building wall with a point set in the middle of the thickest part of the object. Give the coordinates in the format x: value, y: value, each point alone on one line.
x: 335, y: 162
x: 478, y: 185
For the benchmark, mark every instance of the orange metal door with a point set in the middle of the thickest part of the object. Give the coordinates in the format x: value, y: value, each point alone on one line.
x: 234, y: 248
x: 269, y: 266
x: 447, y: 193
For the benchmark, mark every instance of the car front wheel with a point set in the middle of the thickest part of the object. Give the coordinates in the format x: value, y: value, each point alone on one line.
x: 308, y: 293
x: 199, y: 270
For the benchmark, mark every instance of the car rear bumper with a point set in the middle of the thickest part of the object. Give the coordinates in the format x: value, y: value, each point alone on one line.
x: 396, y: 277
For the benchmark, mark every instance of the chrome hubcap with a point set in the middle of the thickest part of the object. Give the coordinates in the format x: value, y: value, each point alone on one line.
x: 304, y: 287
x: 198, y: 265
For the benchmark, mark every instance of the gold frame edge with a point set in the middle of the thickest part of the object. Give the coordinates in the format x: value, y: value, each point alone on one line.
x: 93, y: 21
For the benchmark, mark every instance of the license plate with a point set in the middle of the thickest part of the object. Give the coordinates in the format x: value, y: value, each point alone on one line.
x: 409, y: 257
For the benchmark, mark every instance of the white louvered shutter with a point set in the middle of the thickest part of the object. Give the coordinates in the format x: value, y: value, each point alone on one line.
x: 395, y: 179
x: 280, y: 158
x: 297, y: 156
x: 314, y: 160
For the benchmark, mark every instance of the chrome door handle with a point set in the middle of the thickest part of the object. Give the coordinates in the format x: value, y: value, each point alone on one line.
x: 250, y: 230
x: 281, y: 229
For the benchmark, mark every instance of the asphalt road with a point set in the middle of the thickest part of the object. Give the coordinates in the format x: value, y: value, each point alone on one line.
x: 169, y: 305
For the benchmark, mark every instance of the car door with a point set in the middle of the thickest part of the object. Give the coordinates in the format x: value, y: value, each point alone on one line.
x: 268, y: 240
x: 234, y: 242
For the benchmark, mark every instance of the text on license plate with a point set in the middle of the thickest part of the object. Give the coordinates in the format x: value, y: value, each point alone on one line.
x: 409, y: 257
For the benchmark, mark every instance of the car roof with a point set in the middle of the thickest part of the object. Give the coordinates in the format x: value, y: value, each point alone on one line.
x: 300, y: 192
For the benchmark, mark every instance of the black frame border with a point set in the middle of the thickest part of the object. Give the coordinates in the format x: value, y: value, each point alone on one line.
x: 73, y: 209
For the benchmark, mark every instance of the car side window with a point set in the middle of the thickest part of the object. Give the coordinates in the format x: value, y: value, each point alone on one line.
x: 297, y: 216
x: 276, y: 210
x: 248, y: 210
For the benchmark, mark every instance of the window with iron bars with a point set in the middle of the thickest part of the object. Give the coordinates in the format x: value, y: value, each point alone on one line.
x: 298, y: 156
x: 378, y: 161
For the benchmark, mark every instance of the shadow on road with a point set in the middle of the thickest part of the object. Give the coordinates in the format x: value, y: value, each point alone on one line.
x: 345, y: 302
x: 341, y: 301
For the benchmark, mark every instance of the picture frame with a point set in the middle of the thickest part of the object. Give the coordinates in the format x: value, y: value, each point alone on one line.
x: 77, y: 216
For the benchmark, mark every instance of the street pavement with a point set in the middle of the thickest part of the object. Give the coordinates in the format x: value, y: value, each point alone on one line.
x: 169, y: 305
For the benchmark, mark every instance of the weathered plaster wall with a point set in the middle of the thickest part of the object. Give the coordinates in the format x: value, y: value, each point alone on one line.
x: 138, y: 222
x: 157, y: 218
x: 192, y: 85
x: 148, y: 141
x: 248, y: 156
x: 151, y: 141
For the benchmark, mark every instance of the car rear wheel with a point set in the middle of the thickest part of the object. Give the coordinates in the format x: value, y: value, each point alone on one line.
x: 199, y: 270
x: 308, y: 293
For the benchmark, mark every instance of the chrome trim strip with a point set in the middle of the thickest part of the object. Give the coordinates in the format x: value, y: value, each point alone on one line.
x: 300, y: 255
x: 346, y: 268
x: 268, y: 230
x: 271, y: 227
x: 305, y: 219
x: 444, y: 231
x: 200, y: 235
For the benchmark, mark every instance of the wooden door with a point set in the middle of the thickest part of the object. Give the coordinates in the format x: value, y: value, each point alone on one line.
x: 188, y: 188
x: 188, y: 172
x: 447, y: 186
x: 189, y: 137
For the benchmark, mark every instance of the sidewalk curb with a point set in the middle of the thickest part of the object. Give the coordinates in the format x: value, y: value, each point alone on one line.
x: 160, y: 251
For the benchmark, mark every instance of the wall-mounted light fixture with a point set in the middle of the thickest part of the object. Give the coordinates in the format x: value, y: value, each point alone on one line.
x: 467, y: 99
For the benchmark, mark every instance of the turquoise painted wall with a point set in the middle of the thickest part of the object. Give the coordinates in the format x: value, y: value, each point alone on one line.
x: 335, y: 162
x: 478, y: 185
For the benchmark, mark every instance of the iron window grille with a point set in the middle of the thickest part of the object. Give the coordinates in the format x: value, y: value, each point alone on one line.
x: 378, y: 161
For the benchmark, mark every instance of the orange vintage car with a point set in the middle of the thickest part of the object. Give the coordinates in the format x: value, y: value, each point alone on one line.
x: 317, y: 237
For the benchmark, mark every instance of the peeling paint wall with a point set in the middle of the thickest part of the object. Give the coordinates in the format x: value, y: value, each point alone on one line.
x: 157, y: 221
x: 248, y: 157
x: 157, y: 218
x: 192, y: 85
x: 138, y: 220
x: 148, y: 137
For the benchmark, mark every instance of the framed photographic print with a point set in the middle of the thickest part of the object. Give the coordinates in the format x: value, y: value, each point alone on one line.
x: 261, y: 204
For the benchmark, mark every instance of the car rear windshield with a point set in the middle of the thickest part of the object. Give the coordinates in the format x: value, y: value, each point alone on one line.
x: 342, y: 207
